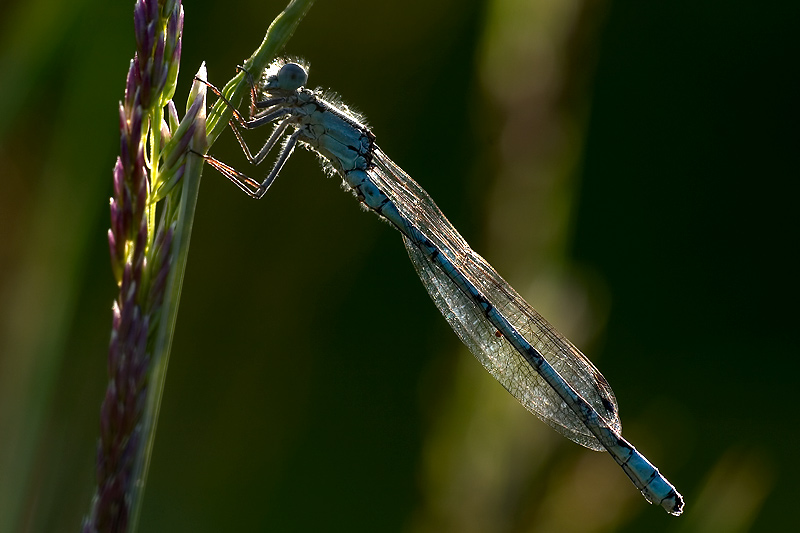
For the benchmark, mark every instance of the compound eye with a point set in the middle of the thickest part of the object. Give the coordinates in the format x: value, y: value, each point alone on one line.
x: 291, y: 77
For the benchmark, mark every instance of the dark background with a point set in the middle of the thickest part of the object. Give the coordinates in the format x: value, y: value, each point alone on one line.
x: 312, y: 385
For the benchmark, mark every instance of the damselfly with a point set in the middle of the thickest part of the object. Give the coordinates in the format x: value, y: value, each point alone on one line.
x: 534, y: 362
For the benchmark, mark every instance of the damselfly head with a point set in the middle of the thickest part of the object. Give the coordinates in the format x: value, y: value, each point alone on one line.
x: 284, y: 76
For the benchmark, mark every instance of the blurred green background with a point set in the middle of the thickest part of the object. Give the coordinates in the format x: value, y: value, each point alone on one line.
x: 630, y: 167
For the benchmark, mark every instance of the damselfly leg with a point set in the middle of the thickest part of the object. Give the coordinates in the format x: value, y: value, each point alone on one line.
x: 262, y: 112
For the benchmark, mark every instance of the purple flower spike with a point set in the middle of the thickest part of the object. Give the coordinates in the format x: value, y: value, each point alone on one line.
x: 159, y: 68
x: 131, y: 85
x: 119, y: 177
x: 140, y: 27
x: 152, y: 9
x: 141, y: 263
x: 136, y: 118
x: 176, y: 55
x: 146, y: 90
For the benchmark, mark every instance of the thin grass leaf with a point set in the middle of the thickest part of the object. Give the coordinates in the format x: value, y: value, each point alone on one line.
x: 276, y: 38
